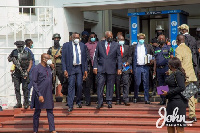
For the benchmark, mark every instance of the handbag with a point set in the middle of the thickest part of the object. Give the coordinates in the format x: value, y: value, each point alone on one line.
x: 190, y: 90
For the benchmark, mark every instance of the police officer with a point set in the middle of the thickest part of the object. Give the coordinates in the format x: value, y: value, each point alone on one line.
x: 162, y: 54
x: 55, y: 54
x: 159, y: 31
x: 22, y: 60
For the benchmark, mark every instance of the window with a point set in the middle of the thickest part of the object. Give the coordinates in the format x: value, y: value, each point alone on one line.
x: 26, y: 3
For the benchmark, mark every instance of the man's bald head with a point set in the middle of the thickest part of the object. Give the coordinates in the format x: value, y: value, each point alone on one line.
x: 45, y: 56
x: 180, y: 39
x: 108, y: 34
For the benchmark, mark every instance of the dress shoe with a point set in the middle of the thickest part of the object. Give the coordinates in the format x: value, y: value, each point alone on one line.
x: 79, y: 105
x: 70, y: 109
x: 126, y: 104
x: 134, y: 100
x: 162, y: 102
x: 117, y: 102
x: 99, y: 106
x: 109, y: 105
x: 147, y: 102
x: 194, y: 119
x: 87, y: 104
x: 18, y: 106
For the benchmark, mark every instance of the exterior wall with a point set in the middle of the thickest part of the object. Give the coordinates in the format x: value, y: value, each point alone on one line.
x: 65, y: 21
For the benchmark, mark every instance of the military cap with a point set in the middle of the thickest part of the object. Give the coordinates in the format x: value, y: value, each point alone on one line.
x: 56, y: 35
x: 19, y: 43
x: 159, y: 27
x: 184, y: 26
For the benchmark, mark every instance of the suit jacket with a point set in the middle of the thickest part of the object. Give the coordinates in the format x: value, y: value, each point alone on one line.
x: 183, y: 52
x: 190, y: 41
x: 127, y: 57
x: 67, y: 57
x: 107, y: 63
x: 148, y: 49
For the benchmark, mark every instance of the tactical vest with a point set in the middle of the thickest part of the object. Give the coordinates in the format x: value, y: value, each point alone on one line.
x: 53, y: 52
x: 24, y: 58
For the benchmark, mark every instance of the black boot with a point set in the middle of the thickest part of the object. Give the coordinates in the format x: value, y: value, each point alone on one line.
x: 18, y: 105
x: 26, y: 103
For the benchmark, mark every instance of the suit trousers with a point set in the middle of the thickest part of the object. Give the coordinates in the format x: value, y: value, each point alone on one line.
x: 141, y: 74
x: 75, y: 77
x: 125, y: 82
x: 50, y: 119
x: 109, y: 80
x: 191, y: 104
x: 161, y: 76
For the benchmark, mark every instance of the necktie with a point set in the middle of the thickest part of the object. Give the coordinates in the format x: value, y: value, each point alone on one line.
x: 121, y: 51
x: 108, y: 48
x: 77, y: 55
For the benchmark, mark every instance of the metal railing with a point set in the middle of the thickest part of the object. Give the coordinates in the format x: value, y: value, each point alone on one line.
x: 17, y: 25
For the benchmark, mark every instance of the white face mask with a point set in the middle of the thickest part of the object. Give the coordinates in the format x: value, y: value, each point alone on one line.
x: 121, y: 42
x: 76, y: 41
x: 49, y: 62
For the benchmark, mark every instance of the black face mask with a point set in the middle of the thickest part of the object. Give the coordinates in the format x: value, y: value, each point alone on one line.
x: 159, y: 33
x: 109, y: 39
x: 20, y: 49
x: 161, y: 42
x: 198, y: 35
x: 56, y: 43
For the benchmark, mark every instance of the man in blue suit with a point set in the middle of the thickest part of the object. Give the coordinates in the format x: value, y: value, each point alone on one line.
x: 141, y: 67
x: 107, y: 61
x: 74, y: 63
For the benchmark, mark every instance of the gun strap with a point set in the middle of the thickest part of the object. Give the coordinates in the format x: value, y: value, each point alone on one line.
x: 58, y: 50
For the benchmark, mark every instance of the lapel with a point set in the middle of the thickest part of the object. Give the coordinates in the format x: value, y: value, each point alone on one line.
x: 82, y: 49
x: 126, y: 48
x: 71, y: 49
x: 103, y: 46
x: 111, y: 47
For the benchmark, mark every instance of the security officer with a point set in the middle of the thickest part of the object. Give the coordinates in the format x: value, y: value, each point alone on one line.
x: 154, y: 42
x: 22, y: 60
x: 162, y: 54
x: 159, y: 31
x: 55, y: 54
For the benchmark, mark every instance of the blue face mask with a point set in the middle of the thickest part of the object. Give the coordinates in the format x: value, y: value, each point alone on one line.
x: 121, y: 42
x: 141, y: 41
x: 32, y: 46
x: 93, y: 39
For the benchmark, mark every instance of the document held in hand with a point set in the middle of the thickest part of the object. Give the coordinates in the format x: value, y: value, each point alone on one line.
x: 147, y: 58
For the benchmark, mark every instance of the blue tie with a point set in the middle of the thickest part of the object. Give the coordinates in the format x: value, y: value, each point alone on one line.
x: 77, y: 56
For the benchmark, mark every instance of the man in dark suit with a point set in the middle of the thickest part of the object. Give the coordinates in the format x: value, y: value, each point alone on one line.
x: 126, y: 61
x: 107, y: 58
x: 140, y: 66
x: 74, y: 63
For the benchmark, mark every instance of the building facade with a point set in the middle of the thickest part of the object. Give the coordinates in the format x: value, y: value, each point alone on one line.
x: 39, y: 19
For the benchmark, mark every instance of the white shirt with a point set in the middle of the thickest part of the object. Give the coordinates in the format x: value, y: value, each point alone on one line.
x: 140, y: 54
x: 106, y: 44
x: 122, y: 48
x: 74, y: 53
